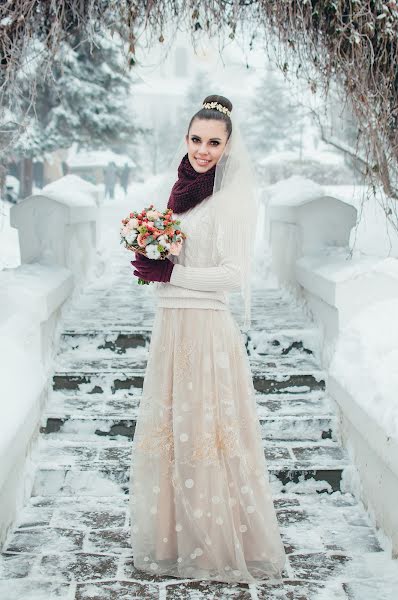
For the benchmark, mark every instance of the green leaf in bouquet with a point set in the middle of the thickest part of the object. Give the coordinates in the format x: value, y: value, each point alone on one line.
x: 149, y: 239
x: 161, y: 248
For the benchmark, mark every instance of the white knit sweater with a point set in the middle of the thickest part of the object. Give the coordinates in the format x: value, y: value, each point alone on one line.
x: 196, y: 281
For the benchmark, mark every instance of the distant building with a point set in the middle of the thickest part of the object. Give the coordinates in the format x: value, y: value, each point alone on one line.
x: 91, y: 165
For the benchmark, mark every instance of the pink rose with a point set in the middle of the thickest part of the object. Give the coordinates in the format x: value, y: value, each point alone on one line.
x: 141, y: 240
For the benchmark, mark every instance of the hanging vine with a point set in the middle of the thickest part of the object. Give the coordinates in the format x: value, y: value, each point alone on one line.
x: 352, y: 41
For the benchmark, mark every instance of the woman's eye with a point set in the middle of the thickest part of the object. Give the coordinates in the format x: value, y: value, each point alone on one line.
x: 197, y: 140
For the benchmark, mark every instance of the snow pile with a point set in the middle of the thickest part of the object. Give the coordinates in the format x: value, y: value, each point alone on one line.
x: 72, y: 191
x: 295, y: 189
x: 374, y: 234
x: 365, y: 362
x: 338, y: 264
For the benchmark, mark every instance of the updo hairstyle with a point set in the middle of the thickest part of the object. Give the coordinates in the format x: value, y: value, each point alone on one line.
x: 213, y: 113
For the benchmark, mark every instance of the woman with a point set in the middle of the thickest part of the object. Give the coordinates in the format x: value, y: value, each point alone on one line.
x: 200, y: 497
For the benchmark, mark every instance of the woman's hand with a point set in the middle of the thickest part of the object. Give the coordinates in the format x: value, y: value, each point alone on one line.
x: 151, y: 269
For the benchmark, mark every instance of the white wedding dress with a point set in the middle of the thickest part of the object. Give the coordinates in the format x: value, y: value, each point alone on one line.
x: 200, y: 498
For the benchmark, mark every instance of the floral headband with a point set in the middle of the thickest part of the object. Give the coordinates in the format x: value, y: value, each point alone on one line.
x: 217, y: 106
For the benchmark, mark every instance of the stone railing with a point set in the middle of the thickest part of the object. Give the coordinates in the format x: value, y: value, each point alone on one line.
x: 309, y: 241
x: 57, y: 237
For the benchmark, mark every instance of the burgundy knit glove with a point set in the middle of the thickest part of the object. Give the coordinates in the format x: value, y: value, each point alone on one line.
x: 152, y: 270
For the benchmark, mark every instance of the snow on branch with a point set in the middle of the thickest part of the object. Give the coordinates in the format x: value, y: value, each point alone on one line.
x: 356, y: 43
x: 353, y: 41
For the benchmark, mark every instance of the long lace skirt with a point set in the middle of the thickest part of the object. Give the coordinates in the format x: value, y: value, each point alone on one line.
x: 200, y: 498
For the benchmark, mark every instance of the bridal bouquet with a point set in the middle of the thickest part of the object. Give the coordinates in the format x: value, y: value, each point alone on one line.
x: 152, y: 233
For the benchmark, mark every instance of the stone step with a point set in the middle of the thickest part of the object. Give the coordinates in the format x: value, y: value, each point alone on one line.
x: 109, y: 307
x: 72, y: 540
x: 110, y: 479
x: 68, y: 403
x: 101, y: 380
x: 84, y: 360
x: 118, y: 339
x: 99, y: 292
x: 83, y: 541
x: 133, y: 306
x: 122, y: 281
x: 82, y: 428
x: 96, y: 468
x: 103, y: 306
x: 111, y: 320
x: 339, y: 522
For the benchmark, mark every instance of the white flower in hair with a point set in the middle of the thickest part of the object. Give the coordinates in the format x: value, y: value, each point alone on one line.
x: 218, y: 106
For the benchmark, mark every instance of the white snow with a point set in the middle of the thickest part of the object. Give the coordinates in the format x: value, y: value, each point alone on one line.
x: 366, y: 356
x: 25, y: 303
x: 337, y: 264
x: 72, y: 191
x: 322, y: 156
x: 22, y: 375
x: 296, y: 189
x: 365, y: 362
x: 373, y: 234
x: 97, y: 158
x: 9, y: 240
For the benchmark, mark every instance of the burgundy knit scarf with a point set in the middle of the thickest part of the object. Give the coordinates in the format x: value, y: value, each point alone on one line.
x: 191, y: 187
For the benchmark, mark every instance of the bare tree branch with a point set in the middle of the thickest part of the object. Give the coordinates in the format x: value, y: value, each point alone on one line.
x: 354, y: 42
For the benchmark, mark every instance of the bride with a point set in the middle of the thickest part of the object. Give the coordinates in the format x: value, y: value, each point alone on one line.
x: 200, y: 498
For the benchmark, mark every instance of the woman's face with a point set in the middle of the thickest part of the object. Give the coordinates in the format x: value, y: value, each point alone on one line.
x: 206, y: 141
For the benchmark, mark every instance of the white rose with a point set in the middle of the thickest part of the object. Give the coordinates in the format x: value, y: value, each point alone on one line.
x: 152, y: 251
x: 130, y: 237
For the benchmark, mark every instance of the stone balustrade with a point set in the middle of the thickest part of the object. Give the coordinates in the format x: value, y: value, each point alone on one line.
x: 57, y: 237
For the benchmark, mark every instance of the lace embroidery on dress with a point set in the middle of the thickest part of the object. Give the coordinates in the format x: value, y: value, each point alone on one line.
x: 208, y: 447
x: 184, y: 361
x: 224, y: 439
x: 160, y: 441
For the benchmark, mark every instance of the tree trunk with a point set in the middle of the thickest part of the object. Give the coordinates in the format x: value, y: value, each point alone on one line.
x: 26, y: 177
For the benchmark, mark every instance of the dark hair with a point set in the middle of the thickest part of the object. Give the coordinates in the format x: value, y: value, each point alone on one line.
x: 213, y: 113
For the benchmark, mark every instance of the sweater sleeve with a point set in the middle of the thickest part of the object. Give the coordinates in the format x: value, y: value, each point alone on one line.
x: 223, y: 277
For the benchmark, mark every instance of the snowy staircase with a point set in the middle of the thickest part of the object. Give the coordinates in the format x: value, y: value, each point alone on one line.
x: 72, y: 539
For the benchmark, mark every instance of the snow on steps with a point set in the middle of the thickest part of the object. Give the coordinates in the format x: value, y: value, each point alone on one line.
x: 101, y: 356
x: 72, y: 539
